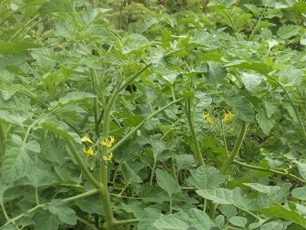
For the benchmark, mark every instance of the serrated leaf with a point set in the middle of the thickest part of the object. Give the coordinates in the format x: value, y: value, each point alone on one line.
x: 167, y: 182
x: 18, y: 159
x: 3, y: 188
x: 129, y: 175
x: 40, y: 175
x: 238, y: 221
x: 91, y: 205
x: 8, y: 227
x: 7, y: 48
x: 205, y: 177
x: 299, y: 193
x: 287, y: 31
x: 158, y: 146
x: 301, y: 168
x: 241, y: 108
x: 44, y: 220
x: 251, y: 80
x: 266, y: 124
x: 52, y: 124
x: 203, y: 100
x: 192, y: 219
x: 285, y: 213
x: 226, y: 196
x: 133, y: 42
x: 73, y: 97
x: 12, y: 118
x: 63, y: 212
x: 263, y: 188
x: 184, y: 161
x: 205, y: 39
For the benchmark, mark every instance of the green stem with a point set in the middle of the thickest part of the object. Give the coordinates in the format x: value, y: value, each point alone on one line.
x: 96, y: 100
x: 124, y: 222
x: 37, y: 207
x: 270, y: 170
x: 224, y: 139
x: 88, y: 225
x: 227, y: 163
x: 294, y: 108
x: 152, y: 172
x: 193, y: 134
x: 4, y: 211
x: 83, y: 167
x: 126, y: 137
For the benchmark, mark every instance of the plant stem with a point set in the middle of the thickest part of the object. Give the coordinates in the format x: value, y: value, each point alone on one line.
x: 294, y: 108
x: 227, y: 163
x: 126, y: 137
x: 4, y: 211
x: 124, y: 222
x: 193, y: 134
x: 37, y: 207
x: 83, y: 167
x: 270, y: 170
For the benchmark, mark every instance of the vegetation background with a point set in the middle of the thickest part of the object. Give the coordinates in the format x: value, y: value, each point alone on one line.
x: 152, y: 115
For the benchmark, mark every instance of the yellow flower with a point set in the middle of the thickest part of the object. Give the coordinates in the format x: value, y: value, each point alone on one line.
x: 227, y: 116
x: 86, y: 139
x: 208, y: 119
x: 108, y: 157
x: 89, y: 152
x: 108, y: 142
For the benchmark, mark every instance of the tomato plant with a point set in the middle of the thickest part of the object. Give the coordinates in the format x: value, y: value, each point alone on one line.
x: 152, y: 114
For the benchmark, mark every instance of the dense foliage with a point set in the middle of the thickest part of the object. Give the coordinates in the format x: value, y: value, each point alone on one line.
x: 152, y: 114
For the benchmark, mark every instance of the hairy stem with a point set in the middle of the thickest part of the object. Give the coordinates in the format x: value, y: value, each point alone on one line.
x: 193, y: 134
x: 227, y: 163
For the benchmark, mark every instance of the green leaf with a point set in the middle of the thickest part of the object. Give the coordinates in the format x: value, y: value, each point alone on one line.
x: 12, y: 118
x: 238, y: 221
x: 7, y: 48
x: 266, y: 124
x: 192, y: 219
x: 241, y: 108
x: 228, y: 210
x: 72, y: 97
x: 301, y: 168
x: 91, y: 205
x: 40, y: 175
x: 285, y: 213
x: 167, y: 182
x: 44, y: 220
x: 203, y: 100
x: 251, y: 80
x: 263, y: 188
x: 299, y: 193
x: 129, y: 175
x: 158, y: 147
x: 205, y: 177
x: 3, y: 188
x: 287, y: 31
x: 52, y: 124
x: 226, y: 196
x: 184, y: 161
x: 18, y: 159
x: 205, y: 39
x: 8, y: 227
x: 133, y: 42
x: 63, y: 212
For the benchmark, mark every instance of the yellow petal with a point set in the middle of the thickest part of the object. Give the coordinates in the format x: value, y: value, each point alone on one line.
x: 86, y: 139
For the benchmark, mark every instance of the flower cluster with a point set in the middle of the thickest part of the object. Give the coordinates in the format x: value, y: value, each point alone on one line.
x: 106, y: 142
x: 227, y: 116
